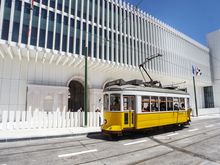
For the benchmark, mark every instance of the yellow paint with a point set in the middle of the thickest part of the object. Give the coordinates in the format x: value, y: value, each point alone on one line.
x: 115, y: 121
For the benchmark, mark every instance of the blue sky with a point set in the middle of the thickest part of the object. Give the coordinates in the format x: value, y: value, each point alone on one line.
x: 194, y: 18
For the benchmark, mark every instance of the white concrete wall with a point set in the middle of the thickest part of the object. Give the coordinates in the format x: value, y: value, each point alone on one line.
x: 16, y: 75
x: 213, y: 43
x: 208, y: 111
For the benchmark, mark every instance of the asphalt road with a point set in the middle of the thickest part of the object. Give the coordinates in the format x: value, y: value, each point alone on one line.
x: 197, y: 144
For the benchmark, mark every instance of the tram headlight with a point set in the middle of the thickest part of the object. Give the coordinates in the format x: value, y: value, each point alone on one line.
x: 105, y: 121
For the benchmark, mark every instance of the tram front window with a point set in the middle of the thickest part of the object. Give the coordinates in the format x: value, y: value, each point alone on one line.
x: 129, y: 102
x: 106, y: 102
x: 115, y: 102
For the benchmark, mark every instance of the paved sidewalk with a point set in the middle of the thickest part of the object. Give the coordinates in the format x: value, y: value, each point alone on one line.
x: 30, y: 134
x: 210, y: 116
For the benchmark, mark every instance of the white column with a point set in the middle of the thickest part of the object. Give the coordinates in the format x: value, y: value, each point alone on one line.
x: 92, y: 38
x: 103, y: 39
x: 112, y: 37
x: 138, y: 37
x: 116, y: 32
x: 129, y: 36
x: 61, y: 31
x: 11, y: 20
x: 54, y: 27
x: 21, y: 23
x: 148, y: 40
x: 143, y: 38
x: 97, y: 39
x: 69, y: 24
x: 132, y: 38
x: 81, y: 46
x: 39, y: 22
x: 136, y: 42
x: 87, y: 25
x: 154, y: 44
x: 107, y: 44
x: 125, y: 34
x: 47, y: 22
x: 75, y: 24
x: 121, y: 46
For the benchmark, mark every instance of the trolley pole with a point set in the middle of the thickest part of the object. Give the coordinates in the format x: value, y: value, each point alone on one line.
x: 85, y: 90
x: 194, y: 85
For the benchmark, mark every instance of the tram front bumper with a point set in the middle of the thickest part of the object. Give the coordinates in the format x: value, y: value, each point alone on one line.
x: 111, y: 129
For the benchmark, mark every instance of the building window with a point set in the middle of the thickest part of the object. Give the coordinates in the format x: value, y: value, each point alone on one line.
x: 71, y: 35
x: 59, y: 5
x: 5, y: 27
x: 43, y: 28
x: 26, y: 20
x: 34, y: 26
x: 79, y: 8
x: 66, y: 7
x: 16, y: 23
x: 50, y: 30
x: 45, y: 2
x: 52, y: 3
x: 208, y: 95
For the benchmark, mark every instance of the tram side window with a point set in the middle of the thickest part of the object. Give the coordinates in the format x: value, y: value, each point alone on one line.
x: 129, y: 102
x: 154, y: 103
x: 115, y: 102
x: 176, y: 103
x: 182, y: 104
x: 145, y: 104
x: 163, y: 104
x: 169, y: 103
x: 106, y: 102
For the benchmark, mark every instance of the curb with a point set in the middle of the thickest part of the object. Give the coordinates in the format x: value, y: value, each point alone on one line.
x: 45, y: 137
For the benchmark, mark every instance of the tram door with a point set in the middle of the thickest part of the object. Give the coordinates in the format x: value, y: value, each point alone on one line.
x: 129, y: 109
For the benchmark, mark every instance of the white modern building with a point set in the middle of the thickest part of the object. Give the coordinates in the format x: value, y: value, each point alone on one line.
x: 42, y: 50
x: 213, y: 43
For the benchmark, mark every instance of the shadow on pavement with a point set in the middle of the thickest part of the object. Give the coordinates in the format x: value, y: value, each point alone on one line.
x: 136, y: 133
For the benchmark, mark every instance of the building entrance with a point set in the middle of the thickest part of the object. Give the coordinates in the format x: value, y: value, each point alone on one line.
x: 76, y: 98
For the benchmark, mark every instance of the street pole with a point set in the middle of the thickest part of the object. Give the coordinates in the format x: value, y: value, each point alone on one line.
x: 194, y: 85
x: 85, y: 90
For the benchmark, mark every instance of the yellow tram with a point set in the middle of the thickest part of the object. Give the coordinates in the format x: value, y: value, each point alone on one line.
x: 132, y: 107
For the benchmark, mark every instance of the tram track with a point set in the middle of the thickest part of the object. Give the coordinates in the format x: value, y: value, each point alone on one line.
x: 51, y: 143
x: 45, y: 145
x: 204, y: 132
x: 160, y: 143
x: 177, y: 149
x: 156, y: 156
x: 81, y: 143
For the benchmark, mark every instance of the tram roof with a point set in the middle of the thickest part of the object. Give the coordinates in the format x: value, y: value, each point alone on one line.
x: 143, y: 89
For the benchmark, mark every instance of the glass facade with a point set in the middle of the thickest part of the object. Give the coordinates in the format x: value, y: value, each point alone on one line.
x: 208, y: 95
x: 118, y: 33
